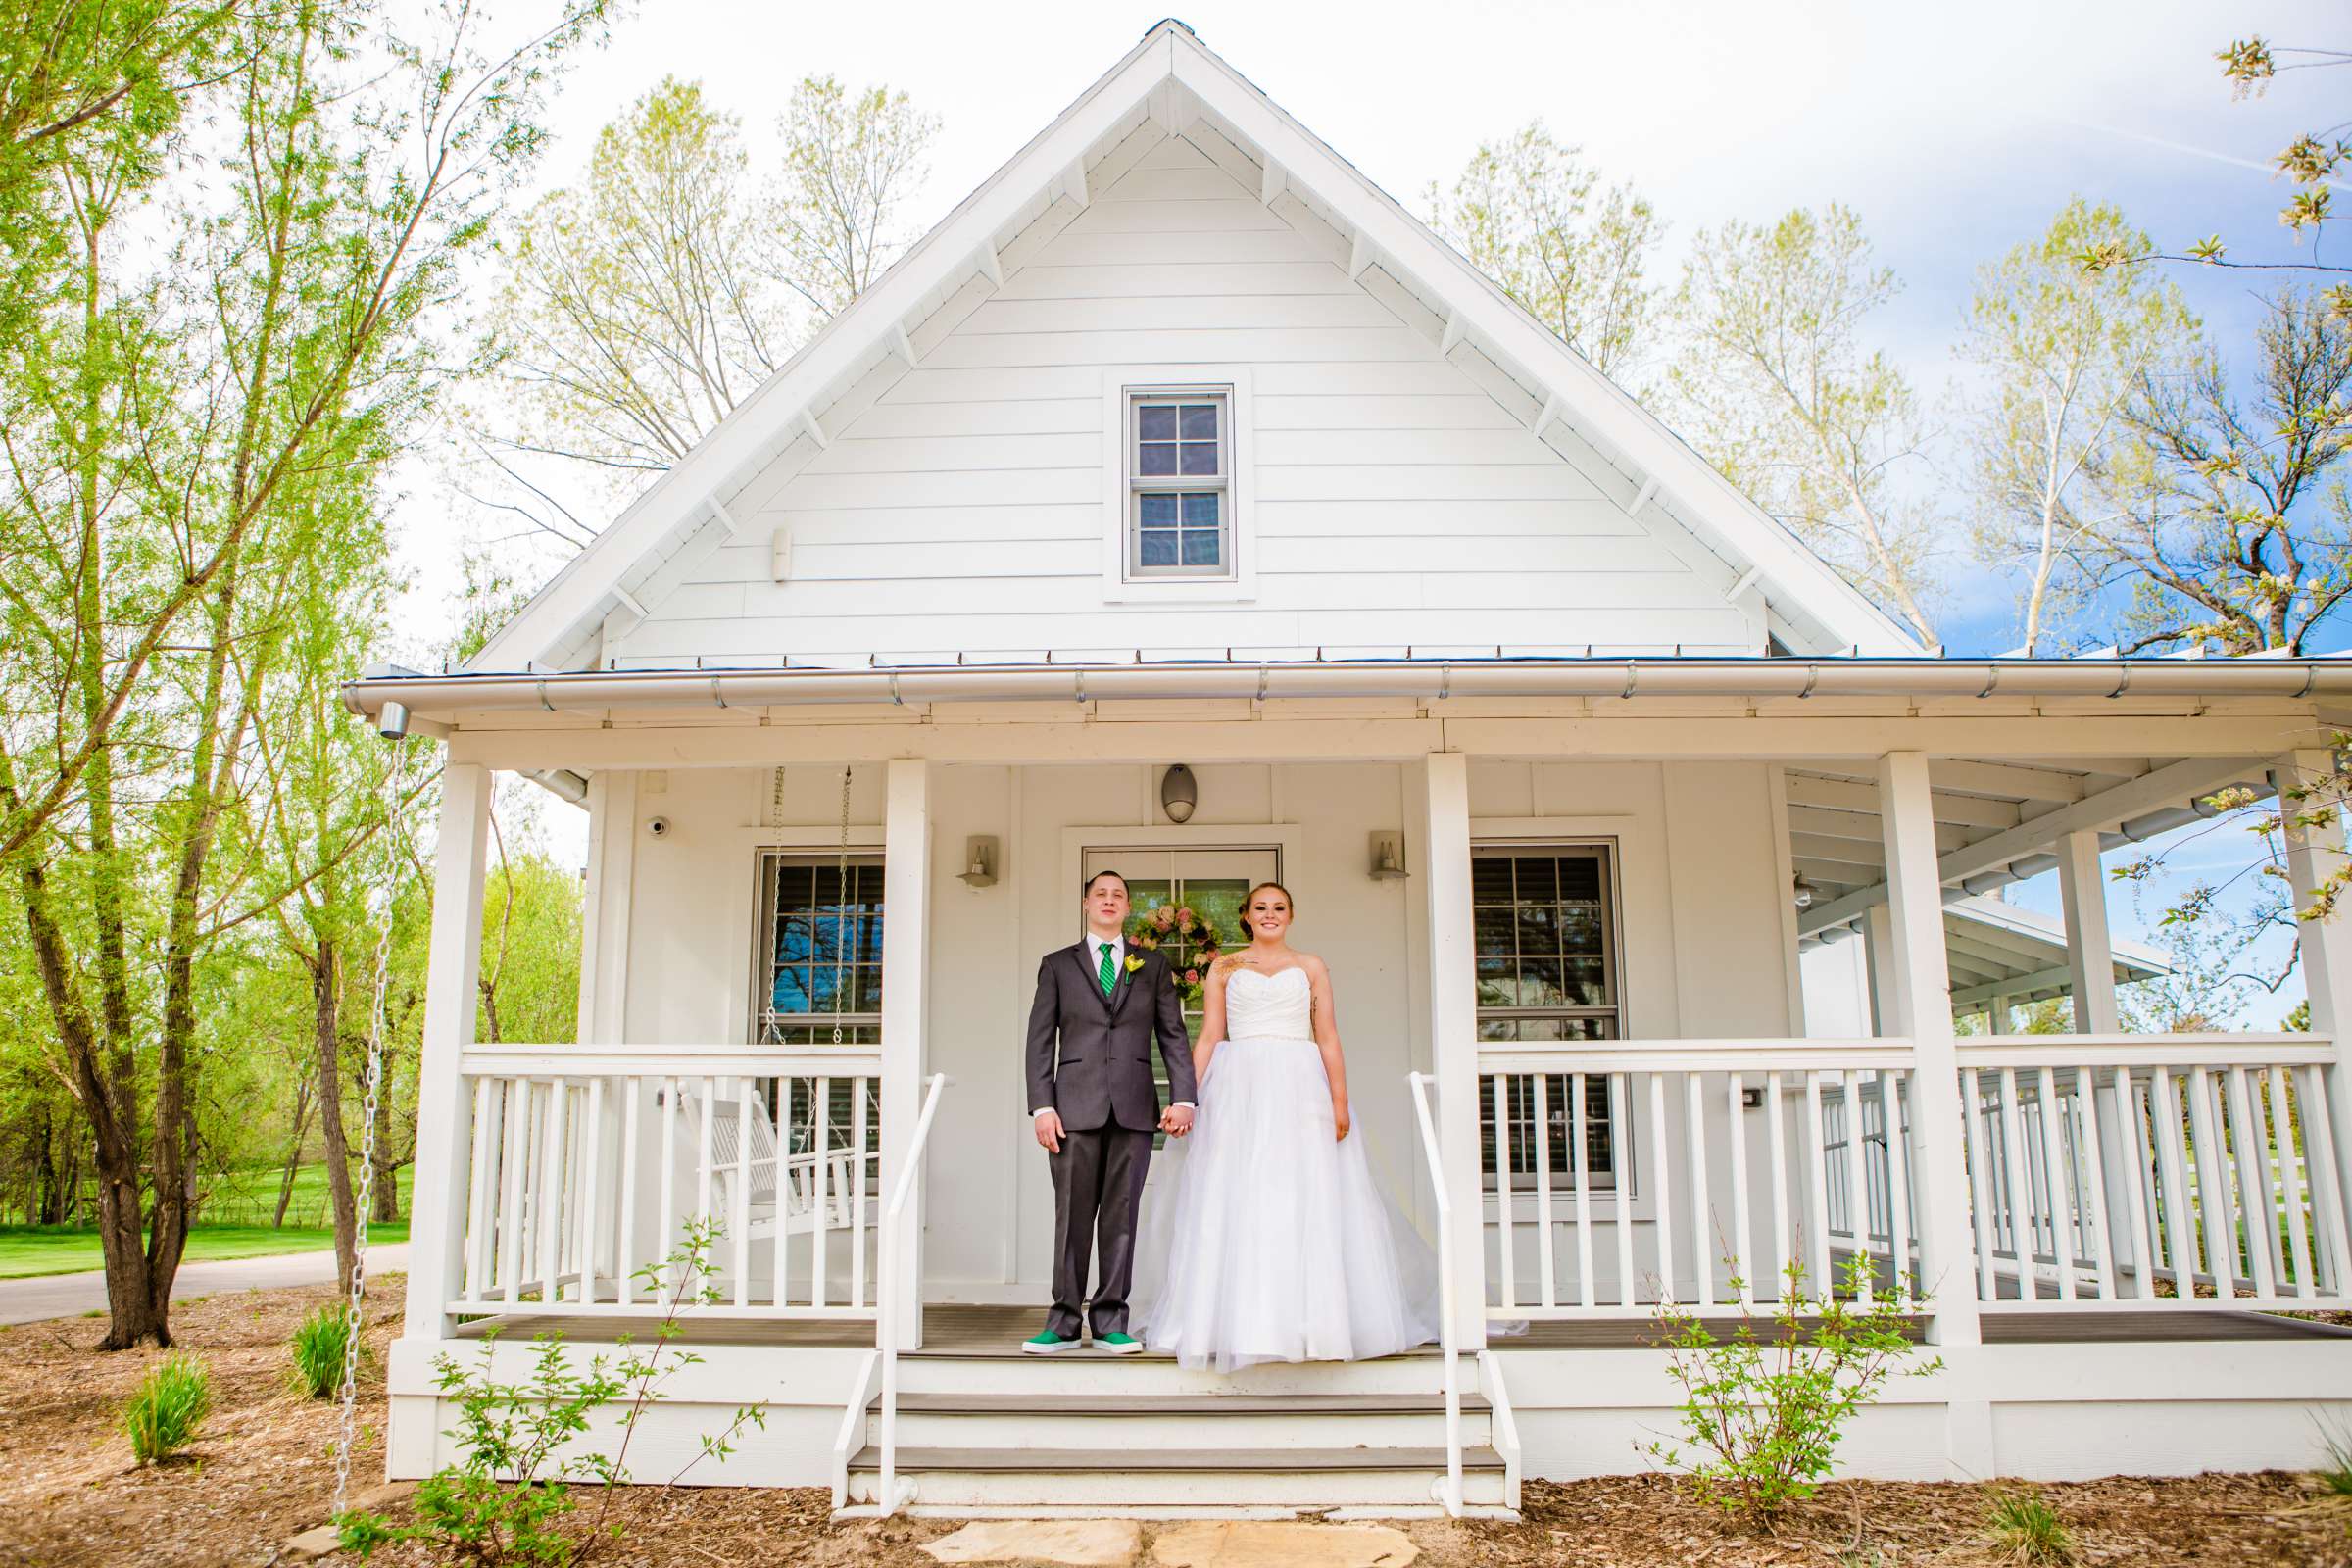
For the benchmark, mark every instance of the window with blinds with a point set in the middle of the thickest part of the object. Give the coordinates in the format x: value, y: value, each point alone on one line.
x: 818, y: 960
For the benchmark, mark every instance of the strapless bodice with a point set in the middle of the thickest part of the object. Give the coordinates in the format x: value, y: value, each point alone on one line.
x: 1269, y: 1007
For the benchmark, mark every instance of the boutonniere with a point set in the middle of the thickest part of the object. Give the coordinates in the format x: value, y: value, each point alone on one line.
x: 1133, y: 963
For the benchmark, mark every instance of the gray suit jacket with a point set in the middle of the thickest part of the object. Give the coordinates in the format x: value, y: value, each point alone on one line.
x: 1104, y: 1074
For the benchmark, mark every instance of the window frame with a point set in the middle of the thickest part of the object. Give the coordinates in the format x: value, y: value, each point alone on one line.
x: 767, y: 861
x: 1141, y: 485
x: 1124, y: 581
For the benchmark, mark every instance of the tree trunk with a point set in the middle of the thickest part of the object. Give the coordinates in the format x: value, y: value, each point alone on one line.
x: 41, y: 1206
x: 327, y: 997
x: 302, y: 1123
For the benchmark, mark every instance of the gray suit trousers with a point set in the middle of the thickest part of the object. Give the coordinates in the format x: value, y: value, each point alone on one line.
x: 1097, y: 1188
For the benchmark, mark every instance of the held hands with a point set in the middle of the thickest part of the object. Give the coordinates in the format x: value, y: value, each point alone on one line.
x: 1176, y: 1121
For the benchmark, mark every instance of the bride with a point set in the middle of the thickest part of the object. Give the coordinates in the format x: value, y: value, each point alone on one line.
x: 1272, y: 1241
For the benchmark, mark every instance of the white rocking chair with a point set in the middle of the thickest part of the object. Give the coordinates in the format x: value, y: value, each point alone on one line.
x: 732, y: 1162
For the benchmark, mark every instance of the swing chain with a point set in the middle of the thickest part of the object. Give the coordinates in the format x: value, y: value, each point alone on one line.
x: 347, y: 1421
x: 841, y: 919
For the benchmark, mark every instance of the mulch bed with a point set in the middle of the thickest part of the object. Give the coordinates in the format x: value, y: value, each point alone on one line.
x: 69, y: 1495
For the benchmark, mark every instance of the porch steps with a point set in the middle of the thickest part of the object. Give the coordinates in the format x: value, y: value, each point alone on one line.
x: 1140, y: 1435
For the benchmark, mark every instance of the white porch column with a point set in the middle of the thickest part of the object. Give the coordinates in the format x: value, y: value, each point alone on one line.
x: 606, y: 906
x: 905, y: 1003
x: 2314, y: 854
x: 1884, y: 971
x: 2089, y: 949
x: 1454, y: 1029
x: 1915, y: 904
x: 444, y: 1109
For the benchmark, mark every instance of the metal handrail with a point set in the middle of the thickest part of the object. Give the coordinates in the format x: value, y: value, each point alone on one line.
x: 886, y: 1306
x: 1453, y: 1497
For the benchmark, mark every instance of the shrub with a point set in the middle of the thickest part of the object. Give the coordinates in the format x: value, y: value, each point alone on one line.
x: 506, y: 1498
x: 2027, y: 1530
x: 170, y: 1403
x: 1763, y: 1412
x: 2335, y: 1473
x: 317, y: 1349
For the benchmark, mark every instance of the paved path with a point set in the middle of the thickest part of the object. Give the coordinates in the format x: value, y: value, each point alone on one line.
x: 48, y: 1295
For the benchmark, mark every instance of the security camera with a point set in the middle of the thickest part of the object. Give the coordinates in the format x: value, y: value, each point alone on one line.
x: 659, y: 827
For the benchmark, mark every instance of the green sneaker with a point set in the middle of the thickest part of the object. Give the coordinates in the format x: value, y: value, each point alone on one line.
x: 1046, y: 1344
x: 1118, y: 1344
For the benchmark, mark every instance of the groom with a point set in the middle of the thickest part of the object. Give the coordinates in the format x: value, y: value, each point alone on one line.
x: 1095, y: 1109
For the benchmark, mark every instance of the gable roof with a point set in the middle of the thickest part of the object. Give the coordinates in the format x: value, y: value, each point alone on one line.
x: 1172, y: 78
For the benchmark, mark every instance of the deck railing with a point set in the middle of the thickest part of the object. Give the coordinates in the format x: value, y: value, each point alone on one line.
x: 1449, y: 1335
x: 586, y: 1165
x: 2102, y: 1171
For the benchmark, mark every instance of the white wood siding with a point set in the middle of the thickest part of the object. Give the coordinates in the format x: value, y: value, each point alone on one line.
x: 959, y: 507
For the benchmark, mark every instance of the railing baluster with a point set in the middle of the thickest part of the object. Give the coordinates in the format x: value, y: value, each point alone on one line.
x: 2326, y: 1188
x: 1898, y: 1180
x: 1743, y: 1234
x: 551, y: 1193
x: 742, y: 1268
x: 2291, y: 1183
x: 1817, y: 1185
x: 2212, y: 1184
x: 2024, y: 1232
x: 513, y: 1155
x: 2142, y: 1199
x: 2252, y: 1149
x: 1580, y: 1149
x: 821, y: 1146
x: 1857, y: 1193
x: 1983, y: 1223
x: 477, y: 1189
x: 2053, y: 1165
x: 1777, y: 1152
x: 1694, y: 1145
x: 669, y: 1229
x: 1545, y: 1264
x: 2179, y: 1208
x: 1621, y: 1170
x: 704, y: 1177
x: 2095, y: 1160
x: 858, y: 1131
x: 624, y: 1252
x: 592, y: 1177
x: 1664, y: 1166
x: 1507, y: 1271
x: 780, y: 1138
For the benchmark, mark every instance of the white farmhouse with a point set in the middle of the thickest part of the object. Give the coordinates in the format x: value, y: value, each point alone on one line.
x: 1182, y: 504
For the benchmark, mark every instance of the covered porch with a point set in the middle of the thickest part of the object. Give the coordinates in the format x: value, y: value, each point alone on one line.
x: 1581, y: 928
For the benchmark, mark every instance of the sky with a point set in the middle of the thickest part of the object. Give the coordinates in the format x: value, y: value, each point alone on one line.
x: 1955, y: 131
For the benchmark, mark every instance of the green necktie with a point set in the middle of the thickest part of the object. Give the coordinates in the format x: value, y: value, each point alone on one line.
x: 1106, y: 973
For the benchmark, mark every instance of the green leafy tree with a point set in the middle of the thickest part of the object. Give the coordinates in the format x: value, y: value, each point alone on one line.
x: 1533, y: 216
x: 1777, y: 386
x: 2062, y: 351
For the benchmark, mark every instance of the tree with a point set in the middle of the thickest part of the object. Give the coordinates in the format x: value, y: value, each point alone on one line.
x: 2063, y: 351
x: 1778, y: 390
x: 1529, y: 213
x: 2225, y: 515
x: 645, y: 303
x: 179, y: 424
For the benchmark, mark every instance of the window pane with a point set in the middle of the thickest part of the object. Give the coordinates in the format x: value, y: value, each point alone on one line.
x: 1540, y: 983
x: 823, y: 940
x: 1537, y: 932
x: 1200, y: 457
x: 1580, y: 879
x: 1494, y: 928
x: 1201, y: 512
x: 1156, y: 422
x: 1199, y: 548
x: 1538, y: 883
x: 1199, y: 422
x: 1586, y: 983
x: 1159, y: 510
x: 1159, y: 548
x: 1491, y: 879
x: 1157, y: 458
x: 1580, y: 929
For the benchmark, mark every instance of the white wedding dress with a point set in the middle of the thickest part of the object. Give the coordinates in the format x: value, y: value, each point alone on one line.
x: 1265, y: 1238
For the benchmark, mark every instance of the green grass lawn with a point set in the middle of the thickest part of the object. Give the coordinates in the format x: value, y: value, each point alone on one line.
x: 235, y: 1224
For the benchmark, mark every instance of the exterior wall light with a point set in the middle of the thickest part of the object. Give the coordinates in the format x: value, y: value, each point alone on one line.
x: 979, y: 862
x: 1804, y: 893
x: 1178, y: 794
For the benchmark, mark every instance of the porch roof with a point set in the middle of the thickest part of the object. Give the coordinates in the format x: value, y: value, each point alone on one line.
x: 2003, y: 949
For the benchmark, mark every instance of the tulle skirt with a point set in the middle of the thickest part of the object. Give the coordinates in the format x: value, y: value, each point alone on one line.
x: 1265, y: 1239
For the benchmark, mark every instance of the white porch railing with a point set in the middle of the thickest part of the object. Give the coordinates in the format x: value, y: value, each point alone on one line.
x: 1683, y: 1166
x: 2120, y: 1170
x: 586, y: 1164
x: 2103, y: 1171
x: 1449, y: 1338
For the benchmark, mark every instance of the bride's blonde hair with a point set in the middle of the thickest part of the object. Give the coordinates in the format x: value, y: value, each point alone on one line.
x: 1252, y: 897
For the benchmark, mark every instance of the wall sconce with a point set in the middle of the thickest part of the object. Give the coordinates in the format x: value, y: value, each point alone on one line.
x: 1803, y: 893
x: 1387, y: 854
x: 1178, y: 794
x: 979, y: 862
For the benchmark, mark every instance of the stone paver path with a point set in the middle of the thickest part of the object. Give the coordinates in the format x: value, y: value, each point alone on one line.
x: 1076, y: 1542
x: 1221, y: 1543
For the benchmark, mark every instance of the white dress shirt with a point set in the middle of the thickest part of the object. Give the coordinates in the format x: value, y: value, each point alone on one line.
x: 1094, y: 964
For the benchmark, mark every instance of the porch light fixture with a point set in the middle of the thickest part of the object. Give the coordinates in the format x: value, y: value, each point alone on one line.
x: 1388, y: 855
x: 979, y: 862
x: 1178, y: 794
x: 1804, y: 893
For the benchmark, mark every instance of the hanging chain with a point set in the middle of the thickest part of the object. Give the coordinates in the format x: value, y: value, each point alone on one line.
x: 840, y: 946
x: 347, y: 1423
x: 775, y: 801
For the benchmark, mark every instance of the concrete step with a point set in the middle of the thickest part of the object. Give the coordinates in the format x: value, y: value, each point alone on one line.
x: 1087, y: 1372
x: 1146, y: 1422
x: 1180, y: 1477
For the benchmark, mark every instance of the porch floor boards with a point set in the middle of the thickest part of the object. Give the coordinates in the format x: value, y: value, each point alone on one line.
x: 962, y: 1330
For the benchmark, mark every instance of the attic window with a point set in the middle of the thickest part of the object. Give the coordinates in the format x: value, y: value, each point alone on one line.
x: 1180, y: 483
